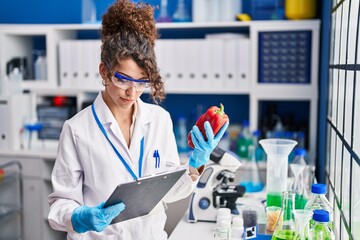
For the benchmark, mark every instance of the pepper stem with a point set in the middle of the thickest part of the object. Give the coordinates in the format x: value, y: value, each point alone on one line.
x: 220, y: 111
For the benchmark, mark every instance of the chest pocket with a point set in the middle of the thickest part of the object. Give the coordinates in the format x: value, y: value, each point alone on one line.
x: 155, y: 163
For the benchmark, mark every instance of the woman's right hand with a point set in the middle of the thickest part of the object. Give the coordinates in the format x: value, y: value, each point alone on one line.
x: 97, y: 218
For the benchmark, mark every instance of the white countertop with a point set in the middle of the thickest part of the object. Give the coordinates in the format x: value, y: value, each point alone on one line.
x: 203, y: 230
x: 43, y: 153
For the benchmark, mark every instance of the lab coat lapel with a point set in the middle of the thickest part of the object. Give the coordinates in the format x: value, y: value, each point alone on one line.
x: 107, y: 119
x: 143, y: 119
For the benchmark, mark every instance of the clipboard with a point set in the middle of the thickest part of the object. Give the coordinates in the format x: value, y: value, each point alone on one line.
x: 143, y: 194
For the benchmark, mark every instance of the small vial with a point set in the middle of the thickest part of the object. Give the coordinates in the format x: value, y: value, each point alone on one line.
x: 222, y: 232
x: 223, y: 214
x: 237, y: 229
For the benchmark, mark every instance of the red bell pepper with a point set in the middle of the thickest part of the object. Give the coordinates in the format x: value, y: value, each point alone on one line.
x: 217, y: 118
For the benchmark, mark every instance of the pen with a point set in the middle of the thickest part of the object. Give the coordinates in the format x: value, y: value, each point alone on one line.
x: 156, y: 155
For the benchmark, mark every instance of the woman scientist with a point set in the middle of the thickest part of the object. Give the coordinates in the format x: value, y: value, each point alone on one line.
x: 113, y: 141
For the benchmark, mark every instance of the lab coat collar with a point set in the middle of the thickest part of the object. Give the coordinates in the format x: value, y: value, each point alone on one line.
x: 143, y: 114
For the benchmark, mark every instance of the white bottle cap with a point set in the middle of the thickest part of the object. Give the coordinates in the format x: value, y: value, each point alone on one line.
x: 16, y: 70
x: 224, y: 211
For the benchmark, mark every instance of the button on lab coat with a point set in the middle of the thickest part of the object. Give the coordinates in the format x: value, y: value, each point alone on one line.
x: 87, y: 170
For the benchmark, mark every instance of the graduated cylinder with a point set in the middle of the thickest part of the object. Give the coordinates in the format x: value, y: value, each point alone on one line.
x: 277, y: 153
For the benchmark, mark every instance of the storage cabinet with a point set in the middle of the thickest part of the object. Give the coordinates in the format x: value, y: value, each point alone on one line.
x: 11, y: 204
x: 277, y: 61
x: 36, y: 186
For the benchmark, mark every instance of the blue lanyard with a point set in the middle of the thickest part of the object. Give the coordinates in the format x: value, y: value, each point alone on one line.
x: 117, y: 152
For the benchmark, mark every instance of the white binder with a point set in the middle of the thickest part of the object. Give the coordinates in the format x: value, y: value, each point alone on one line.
x: 64, y: 56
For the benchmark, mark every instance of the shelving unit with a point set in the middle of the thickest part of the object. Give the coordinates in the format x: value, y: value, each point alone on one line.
x: 19, y: 41
x: 11, y: 204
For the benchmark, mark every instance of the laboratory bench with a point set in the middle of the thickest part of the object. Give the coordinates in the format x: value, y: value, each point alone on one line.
x: 203, y: 230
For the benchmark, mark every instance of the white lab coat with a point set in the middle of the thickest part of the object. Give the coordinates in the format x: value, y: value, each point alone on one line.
x: 87, y: 170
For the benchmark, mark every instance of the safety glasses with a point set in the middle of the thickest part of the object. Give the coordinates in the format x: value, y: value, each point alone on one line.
x: 125, y: 82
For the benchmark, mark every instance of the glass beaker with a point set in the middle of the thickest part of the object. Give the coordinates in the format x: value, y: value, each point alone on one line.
x: 285, y: 226
x: 302, y: 223
x: 277, y: 152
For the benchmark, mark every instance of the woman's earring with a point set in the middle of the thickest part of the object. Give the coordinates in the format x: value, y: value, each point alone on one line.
x: 104, y: 82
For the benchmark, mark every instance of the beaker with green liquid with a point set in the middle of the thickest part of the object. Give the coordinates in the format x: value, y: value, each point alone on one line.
x: 277, y: 155
x: 285, y: 226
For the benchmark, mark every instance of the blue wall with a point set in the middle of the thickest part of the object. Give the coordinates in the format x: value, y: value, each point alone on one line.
x: 60, y: 11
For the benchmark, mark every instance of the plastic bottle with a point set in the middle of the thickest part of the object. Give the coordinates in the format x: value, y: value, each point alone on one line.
x: 15, y: 78
x: 318, y: 200
x: 223, y: 214
x: 259, y: 151
x: 88, y: 11
x: 297, y: 167
x: 223, y: 231
x: 40, y: 68
x: 237, y: 229
x: 321, y: 229
x: 245, y: 140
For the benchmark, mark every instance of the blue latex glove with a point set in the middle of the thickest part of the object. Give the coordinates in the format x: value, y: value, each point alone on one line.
x: 97, y: 218
x: 202, y: 149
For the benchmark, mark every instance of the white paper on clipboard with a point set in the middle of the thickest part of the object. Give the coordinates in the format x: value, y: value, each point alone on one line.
x: 143, y: 194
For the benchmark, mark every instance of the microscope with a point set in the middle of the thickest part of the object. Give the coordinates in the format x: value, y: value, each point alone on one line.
x: 214, y: 190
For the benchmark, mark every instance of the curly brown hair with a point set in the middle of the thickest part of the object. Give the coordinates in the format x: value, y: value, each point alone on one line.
x: 128, y: 31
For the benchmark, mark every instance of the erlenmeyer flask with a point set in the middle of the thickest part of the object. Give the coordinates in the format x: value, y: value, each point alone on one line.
x: 302, y: 223
x: 285, y: 226
x: 252, y: 181
x: 181, y: 13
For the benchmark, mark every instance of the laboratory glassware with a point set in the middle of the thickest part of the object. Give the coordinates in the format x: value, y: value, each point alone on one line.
x: 285, y: 226
x: 302, y: 223
x: 245, y: 140
x: 277, y: 152
x: 321, y: 229
x: 272, y: 216
x: 181, y: 13
x: 88, y: 11
x: 297, y: 167
x: 164, y: 15
x: 252, y: 181
x: 318, y: 200
x: 222, y: 232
